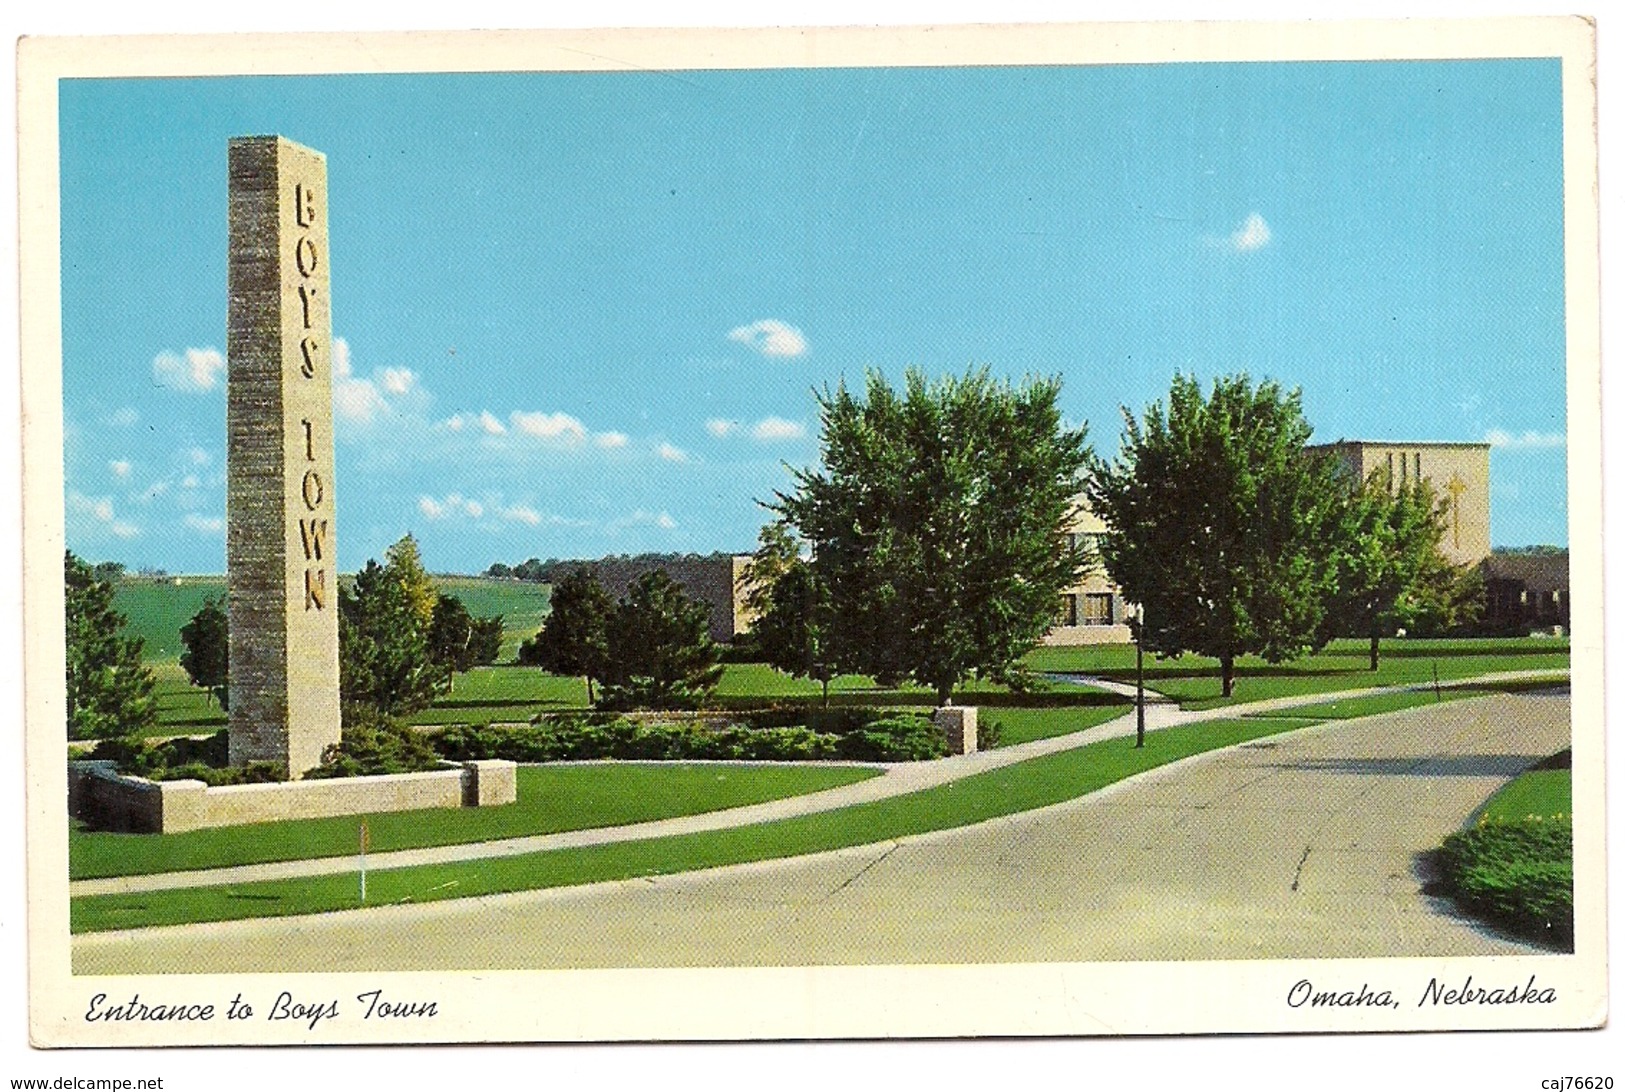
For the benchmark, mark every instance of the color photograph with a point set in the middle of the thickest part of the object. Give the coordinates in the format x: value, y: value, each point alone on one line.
x: 682, y: 520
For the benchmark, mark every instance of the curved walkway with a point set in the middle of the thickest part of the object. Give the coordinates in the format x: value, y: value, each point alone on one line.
x: 1303, y: 845
x: 898, y: 779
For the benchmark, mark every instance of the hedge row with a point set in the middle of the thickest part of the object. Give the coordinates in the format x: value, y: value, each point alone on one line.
x: 900, y: 737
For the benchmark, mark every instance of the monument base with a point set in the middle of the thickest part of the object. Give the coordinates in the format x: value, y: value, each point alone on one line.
x: 109, y: 800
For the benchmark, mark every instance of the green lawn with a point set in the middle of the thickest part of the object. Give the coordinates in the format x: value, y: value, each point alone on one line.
x: 1018, y: 725
x: 551, y: 798
x: 1022, y: 787
x: 182, y: 707
x: 1542, y: 793
x: 1194, y: 681
x: 1375, y: 704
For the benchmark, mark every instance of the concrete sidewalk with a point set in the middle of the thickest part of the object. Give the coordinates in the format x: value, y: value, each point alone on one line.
x: 1303, y: 845
x: 897, y: 780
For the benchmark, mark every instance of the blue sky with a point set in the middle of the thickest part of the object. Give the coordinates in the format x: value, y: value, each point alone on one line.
x: 585, y: 313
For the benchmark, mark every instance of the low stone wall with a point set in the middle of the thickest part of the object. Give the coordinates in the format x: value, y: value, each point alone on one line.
x: 109, y: 800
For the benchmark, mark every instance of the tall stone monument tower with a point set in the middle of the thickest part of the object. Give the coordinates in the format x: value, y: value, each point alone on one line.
x: 280, y: 561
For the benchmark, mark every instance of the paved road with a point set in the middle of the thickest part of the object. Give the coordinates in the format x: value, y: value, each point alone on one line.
x: 1302, y: 845
x: 897, y: 779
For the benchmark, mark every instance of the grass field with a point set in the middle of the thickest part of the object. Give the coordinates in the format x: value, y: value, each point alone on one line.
x: 1194, y: 681
x: 1374, y: 704
x: 1543, y: 793
x: 551, y: 798
x: 1022, y: 787
x: 158, y: 609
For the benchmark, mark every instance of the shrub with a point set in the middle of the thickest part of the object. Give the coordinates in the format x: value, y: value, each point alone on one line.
x: 989, y: 734
x: 205, y: 760
x: 1517, y: 874
x: 901, y: 737
x: 375, y: 743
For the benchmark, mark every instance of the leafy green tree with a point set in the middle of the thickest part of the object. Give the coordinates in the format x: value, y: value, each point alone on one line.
x: 1218, y: 523
x: 789, y: 606
x: 660, y: 652
x: 384, y: 661
x: 109, y: 689
x: 1386, y: 549
x: 485, y: 642
x: 574, y: 640
x: 206, y: 658
x: 451, y: 637
x: 405, y: 562
x: 1445, y: 599
x: 938, y: 524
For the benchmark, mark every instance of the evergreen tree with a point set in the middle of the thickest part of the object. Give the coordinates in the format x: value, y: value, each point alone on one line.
x: 405, y: 563
x: 574, y: 640
x: 1220, y: 522
x: 207, y: 656
x: 938, y: 524
x: 109, y: 689
x: 451, y: 637
x: 384, y: 661
x: 660, y: 653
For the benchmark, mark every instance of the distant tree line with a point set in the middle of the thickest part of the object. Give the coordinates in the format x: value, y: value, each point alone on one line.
x: 554, y: 569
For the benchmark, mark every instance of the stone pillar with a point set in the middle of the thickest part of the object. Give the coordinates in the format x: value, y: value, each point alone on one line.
x: 281, y: 575
x: 958, y: 723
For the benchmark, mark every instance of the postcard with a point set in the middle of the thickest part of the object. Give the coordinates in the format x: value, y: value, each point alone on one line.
x: 812, y: 533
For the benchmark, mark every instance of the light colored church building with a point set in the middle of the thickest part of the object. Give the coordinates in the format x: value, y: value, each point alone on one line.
x: 1095, y: 612
x: 1459, y: 473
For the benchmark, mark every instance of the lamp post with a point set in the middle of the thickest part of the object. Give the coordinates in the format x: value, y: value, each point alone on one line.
x: 1139, y: 679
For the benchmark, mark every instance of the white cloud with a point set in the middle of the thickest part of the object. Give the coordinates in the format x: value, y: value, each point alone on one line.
x: 450, y: 506
x: 777, y: 428
x: 193, y: 370
x: 671, y: 453
x: 189, y: 482
x: 645, y: 518
x: 490, y: 424
x: 397, y: 381
x: 120, y: 468
x: 124, y: 417
x: 197, y: 456
x: 362, y: 400
x: 356, y: 399
x: 720, y: 426
x: 209, y: 525
x: 1528, y: 441
x: 610, y: 440
x: 558, y: 427
x: 770, y: 337
x: 519, y: 513
x: 100, y: 509
x: 455, y: 423
x: 1253, y: 234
